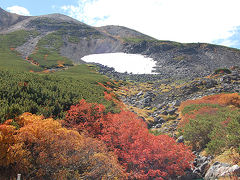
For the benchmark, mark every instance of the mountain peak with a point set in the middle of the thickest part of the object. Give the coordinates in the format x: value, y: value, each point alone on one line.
x: 8, y: 19
x: 61, y: 17
x: 123, y: 32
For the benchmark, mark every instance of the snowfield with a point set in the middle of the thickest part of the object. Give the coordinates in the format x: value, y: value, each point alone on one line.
x: 122, y: 62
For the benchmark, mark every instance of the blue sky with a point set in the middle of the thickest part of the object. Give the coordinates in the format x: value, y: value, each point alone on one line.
x: 211, y: 21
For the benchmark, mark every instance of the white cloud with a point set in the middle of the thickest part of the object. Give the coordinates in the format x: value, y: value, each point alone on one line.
x: 229, y: 43
x: 183, y: 21
x: 19, y: 10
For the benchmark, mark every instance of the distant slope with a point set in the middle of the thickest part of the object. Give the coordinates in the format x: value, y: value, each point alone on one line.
x: 123, y: 32
x: 61, y: 41
x: 8, y: 19
x: 176, y: 60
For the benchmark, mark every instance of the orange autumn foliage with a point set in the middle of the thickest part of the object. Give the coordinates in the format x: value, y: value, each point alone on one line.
x: 221, y: 99
x: 204, y: 110
x: 213, y: 99
x: 42, y: 148
x: 230, y: 99
x: 109, y: 83
x: 217, y: 99
x: 6, y: 140
x: 45, y: 56
x: 60, y: 63
x: 211, y: 123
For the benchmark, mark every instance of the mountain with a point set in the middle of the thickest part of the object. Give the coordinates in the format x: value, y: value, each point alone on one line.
x: 39, y: 75
x: 8, y: 19
x: 66, y: 37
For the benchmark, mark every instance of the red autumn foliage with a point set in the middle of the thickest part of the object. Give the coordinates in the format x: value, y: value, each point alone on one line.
x: 107, y: 88
x: 109, y: 83
x: 213, y: 99
x: 86, y: 117
x: 107, y: 96
x: 219, y: 99
x: 144, y: 155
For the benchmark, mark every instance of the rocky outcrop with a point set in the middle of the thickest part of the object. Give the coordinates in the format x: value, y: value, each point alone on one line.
x: 201, y: 165
x: 75, y: 51
x: 219, y: 169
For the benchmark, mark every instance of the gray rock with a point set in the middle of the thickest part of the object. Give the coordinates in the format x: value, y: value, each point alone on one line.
x: 220, y: 170
x: 164, y: 113
x: 172, y: 111
x: 160, y: 106
x: 140, y: 93
x: 203, y: 167
x: 161, y: 120
x: 210, y: 83
x: 158, y: 126
x: 176, y: 103
x: 180, y: 139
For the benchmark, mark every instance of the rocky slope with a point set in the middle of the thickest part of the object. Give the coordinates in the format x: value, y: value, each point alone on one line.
x: 157, y: 102
x: 186, y: 60
x: 123, y: 32
x: 173, y: 59
x: 8, y: 19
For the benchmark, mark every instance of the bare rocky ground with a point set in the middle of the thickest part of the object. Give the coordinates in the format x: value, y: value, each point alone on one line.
x: 161, y: 99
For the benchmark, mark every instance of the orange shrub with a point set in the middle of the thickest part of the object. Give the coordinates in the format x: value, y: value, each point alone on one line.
x: 230, y: 99
x: 42, y: 149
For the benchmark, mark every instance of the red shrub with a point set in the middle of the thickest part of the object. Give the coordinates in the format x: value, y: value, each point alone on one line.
x: 86, y: 117
x: 142, y: 154
x: 107, y: 96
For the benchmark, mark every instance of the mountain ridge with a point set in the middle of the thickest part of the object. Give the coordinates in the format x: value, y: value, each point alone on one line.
x: 77, y: 39
x: 8, y: 19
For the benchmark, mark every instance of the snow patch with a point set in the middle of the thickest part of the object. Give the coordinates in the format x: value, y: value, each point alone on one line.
x: 122, y: 62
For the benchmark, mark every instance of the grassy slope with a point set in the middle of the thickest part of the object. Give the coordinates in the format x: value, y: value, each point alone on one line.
x: 47, y: 52
x: 48, y: 94
x: 9, y: 58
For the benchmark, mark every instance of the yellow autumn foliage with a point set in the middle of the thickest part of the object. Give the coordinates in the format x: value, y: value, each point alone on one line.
x: 43, y: 148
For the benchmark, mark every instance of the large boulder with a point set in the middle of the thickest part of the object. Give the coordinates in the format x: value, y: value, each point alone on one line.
x: 219, y: 169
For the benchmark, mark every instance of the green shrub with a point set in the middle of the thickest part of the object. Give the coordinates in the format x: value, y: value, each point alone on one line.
x: 11, y: 59
x: 214, y: 129
x: 49, y: 94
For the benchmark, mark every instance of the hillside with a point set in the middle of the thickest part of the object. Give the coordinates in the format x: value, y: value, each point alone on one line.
x: 62, y: 117
x: 8, y: 19
x: 72, y: 39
